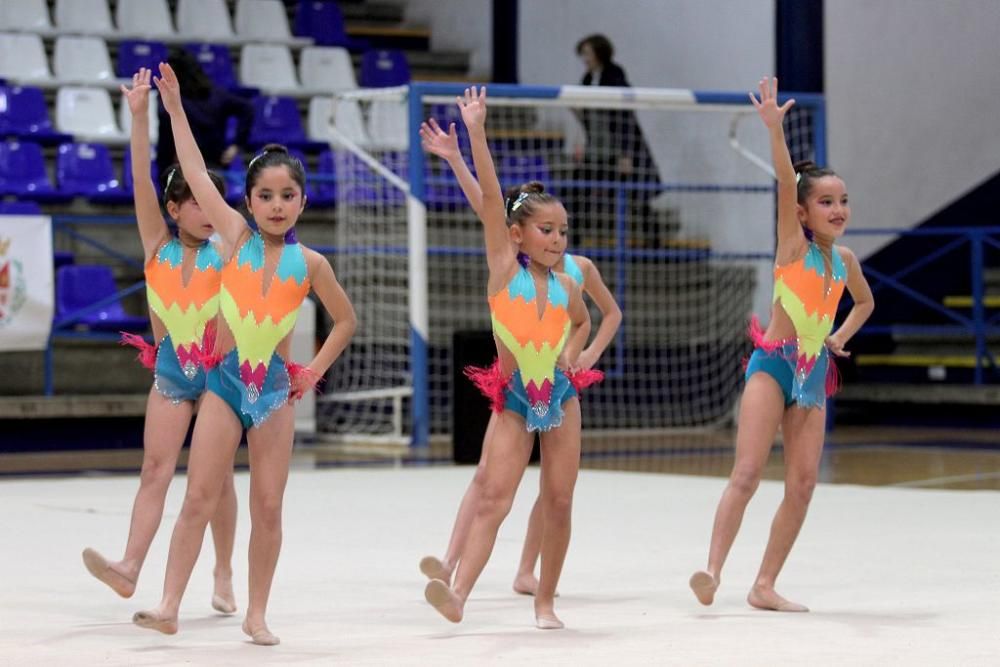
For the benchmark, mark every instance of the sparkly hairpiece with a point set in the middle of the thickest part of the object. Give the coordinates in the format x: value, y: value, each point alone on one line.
x: 170, y: 177
x: 517, y: 202
x: 257, y: 157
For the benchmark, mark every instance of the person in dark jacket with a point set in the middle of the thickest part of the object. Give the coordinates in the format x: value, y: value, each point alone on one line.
x: 208, y: 108
x: 615, y: 151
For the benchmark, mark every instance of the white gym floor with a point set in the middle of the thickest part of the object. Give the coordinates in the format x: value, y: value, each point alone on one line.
x: 892, y: 575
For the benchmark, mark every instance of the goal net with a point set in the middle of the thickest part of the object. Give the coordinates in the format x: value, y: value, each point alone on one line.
x: 668, y: 194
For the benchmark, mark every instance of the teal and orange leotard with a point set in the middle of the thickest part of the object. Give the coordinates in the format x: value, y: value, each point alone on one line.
x: 188, y: 313
x: 534, y: 388
x: 801, y: 364
x: 251, y: 376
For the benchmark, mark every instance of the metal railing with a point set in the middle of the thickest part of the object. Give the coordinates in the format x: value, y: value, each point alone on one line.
x: 976, y: 324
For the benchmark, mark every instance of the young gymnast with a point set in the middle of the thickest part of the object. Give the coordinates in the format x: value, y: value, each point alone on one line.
x: 251, y: 386
x: 790, y: 373
x: 540, y: 324
x: 585, y: 274
x: 182, y: 287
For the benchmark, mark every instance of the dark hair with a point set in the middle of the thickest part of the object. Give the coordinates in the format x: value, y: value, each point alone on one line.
x: 522, y: 200
x: 275, y: 155
x: 601, y: 46
x: 193, y: 81
x: 176, y: 188
x: 807, y: 172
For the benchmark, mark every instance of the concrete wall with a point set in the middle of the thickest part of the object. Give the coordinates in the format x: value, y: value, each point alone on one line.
x: 912, y: 89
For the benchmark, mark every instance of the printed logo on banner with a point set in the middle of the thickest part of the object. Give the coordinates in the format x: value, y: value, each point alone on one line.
x: 13, y: 290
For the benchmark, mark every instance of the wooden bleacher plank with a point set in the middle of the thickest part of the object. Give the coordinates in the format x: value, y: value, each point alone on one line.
x: 389, y: 31
x: 965, y: 301
x: 919, y: 360
x: 72, y: 405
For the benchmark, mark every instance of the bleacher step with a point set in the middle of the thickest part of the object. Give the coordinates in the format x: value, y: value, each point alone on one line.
x: 962, y: 394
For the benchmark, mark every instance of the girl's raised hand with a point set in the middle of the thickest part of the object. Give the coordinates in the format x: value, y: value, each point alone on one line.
x: 473, y: 107
x: 767, y: 106
x: 436, y: 141
x: 138, y: 95
x: 170, y: 89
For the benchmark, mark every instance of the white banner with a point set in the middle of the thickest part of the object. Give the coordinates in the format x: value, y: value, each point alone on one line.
x: 26, y: 282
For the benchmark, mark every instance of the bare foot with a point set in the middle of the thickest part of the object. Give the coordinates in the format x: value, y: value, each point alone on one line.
x: 223, y: 599
x: 156, y: 620
x: 434, y: 568
x: 766, y: 598
x: 525, y: 584
x: 548, y: 623
x: 704, y: 586
x: 546, y: 619
x: 261, y: 635
x: 108, y: 573
x: 445, y: 600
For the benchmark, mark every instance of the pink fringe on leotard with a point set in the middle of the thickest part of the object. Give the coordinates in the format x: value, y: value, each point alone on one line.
x: 833, y: 383
x: 298, y: 370
x: 584, y: 378
x: 147, y: 351
x: 491, y: 382
x: 205, y: 353
x: 756, y: 334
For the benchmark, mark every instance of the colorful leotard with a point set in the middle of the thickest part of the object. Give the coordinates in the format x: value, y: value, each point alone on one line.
x: 252, y: 377
x: 508, y: 392
x: 572, y: 269
x: 810, y: 299
x: 188, y: 314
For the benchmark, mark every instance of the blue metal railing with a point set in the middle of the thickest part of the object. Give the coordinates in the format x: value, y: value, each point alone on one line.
x: 62, y: 325
x: 977, y: 324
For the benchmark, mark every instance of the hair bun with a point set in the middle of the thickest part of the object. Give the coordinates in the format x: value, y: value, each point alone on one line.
x: 804, y: 165
x: 280, y: 148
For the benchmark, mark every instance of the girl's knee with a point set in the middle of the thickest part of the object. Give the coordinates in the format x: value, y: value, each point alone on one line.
x: 799, y: 487
x: 745, y: 480
x: 265, y: 512
x: 200, y: 502
x: 494, y: 502
x: 558, y: 506
x: 156, y: 470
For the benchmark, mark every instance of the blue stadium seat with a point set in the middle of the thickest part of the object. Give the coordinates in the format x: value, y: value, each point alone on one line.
x: 324, y: 22
x: 324, y: 190
x: 277, y: 120
x: 518, y: 169
x: 363, y: 187
x: 81, y: 286
x: 61, y: 258
x: 217, y: 63
x: 24, y: 114
x: 235, y: 177
x: 442, y: 192
x: 383, y: 68
x: 85, y: 170
x: 22, y: 173
x: 19, y: 208
x: 133, y: 54
x: 128, y: 178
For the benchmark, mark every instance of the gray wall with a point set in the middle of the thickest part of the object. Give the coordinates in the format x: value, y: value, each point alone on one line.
x: 458, y: 25
x: 912, y: 90
x: 705, y: 45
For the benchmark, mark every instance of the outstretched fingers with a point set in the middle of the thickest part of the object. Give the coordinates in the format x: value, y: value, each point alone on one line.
x: 435, y: 127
